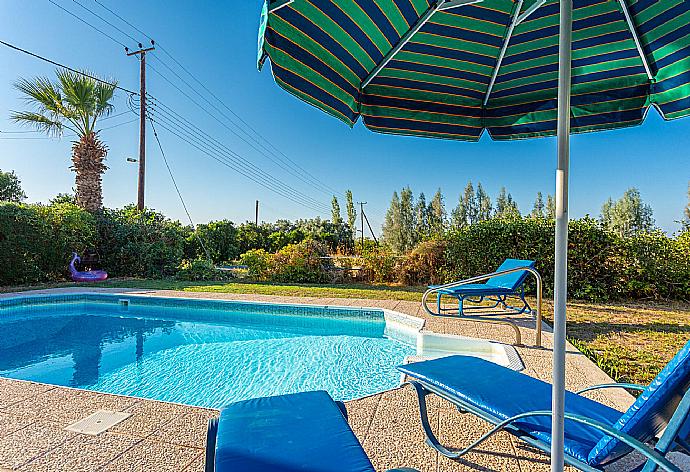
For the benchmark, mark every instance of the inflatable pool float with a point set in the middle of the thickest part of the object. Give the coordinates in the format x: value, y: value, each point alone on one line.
x: 85, y: 276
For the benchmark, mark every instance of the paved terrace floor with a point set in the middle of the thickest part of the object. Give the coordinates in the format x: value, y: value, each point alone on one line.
x: 162, y: 436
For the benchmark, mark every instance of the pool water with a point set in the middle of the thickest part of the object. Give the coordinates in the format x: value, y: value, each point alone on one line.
x: 204, y: 354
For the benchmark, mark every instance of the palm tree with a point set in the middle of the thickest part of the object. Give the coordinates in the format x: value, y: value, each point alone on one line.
x: 75, y: 102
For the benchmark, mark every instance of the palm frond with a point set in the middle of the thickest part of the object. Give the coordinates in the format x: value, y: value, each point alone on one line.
x: 40, y: 122
x: 75, y: 101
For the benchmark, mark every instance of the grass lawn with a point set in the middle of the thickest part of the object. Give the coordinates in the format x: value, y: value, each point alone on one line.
x: 630, y: 341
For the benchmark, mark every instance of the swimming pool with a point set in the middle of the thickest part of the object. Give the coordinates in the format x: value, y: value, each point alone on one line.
x: 199, y: 352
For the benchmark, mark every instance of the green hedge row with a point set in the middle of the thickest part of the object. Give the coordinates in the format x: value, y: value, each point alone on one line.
x: 36, y: 242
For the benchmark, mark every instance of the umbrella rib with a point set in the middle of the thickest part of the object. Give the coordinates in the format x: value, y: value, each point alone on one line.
x: 513, y: 23
x: 278, y: 4
x: 405, y: 38
x: 636, y: 38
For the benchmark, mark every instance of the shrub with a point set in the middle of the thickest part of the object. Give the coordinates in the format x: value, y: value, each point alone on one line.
x: 379, y: 264
x: 258, y: 263
x: 200, y: 269
x: 36, y: 241
x: 424, y: 264
x: 218, y: 237
x: 140, y: 243
x: 303, y: 262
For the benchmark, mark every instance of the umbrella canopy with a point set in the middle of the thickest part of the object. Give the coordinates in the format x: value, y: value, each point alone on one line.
x: 450, y: 69
x: 518, y: 68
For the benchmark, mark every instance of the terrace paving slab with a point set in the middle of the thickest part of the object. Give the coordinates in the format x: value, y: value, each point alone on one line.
x: 161, y: 436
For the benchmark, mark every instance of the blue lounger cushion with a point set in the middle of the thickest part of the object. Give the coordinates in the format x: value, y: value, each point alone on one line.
x: 502, y: 393
x: 650, y: 413
x: 297, y: 432
x: 505, y: 284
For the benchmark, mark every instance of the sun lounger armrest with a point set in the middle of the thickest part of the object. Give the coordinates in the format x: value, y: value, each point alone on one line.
x: 627, y: 386
x: 634, y: 443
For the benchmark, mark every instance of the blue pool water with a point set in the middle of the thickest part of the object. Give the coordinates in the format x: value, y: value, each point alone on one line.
x: 194, y: 352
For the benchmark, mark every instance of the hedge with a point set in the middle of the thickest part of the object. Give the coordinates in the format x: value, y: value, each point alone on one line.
x: 36, y: 242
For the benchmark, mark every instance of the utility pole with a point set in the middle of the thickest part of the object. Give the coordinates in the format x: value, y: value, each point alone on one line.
x: 256, y: 218
x: 361, y: 217
x: 370, y: 230
x: 141, y: 52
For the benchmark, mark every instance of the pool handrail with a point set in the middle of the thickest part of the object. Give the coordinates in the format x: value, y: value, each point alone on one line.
x: 484, y: 277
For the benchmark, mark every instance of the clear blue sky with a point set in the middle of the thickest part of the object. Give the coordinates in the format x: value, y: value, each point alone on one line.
x: 217, y: 41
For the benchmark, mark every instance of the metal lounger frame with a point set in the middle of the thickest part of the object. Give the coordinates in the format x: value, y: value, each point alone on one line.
x: 655, y: 456
x: 500, y: 300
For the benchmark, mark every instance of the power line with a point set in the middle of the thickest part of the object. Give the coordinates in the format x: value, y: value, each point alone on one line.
x: 293, y: 167
x: 123, y: 19
x: 50, y: 61
x: 222, y: 156
x: 200, y: 146
x: 171, y: 114
x: 177, y: 189
x: 222, y: 123
x: 87, y: 23
x: 228, y: 157
x: 105, y: 21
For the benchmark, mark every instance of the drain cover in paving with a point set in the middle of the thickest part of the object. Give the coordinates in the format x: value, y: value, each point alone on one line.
x: 98, y: 422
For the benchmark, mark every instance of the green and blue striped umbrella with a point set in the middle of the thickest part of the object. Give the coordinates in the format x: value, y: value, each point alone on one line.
x: 450, y: 69
x: 517, y: 68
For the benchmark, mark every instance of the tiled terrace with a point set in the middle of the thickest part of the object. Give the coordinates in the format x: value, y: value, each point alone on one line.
x: 170, y: 437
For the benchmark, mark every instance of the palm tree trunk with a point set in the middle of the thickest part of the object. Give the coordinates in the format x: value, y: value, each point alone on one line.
x: 88, y: 155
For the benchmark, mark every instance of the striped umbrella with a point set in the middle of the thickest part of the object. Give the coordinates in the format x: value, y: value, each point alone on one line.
x: 517, y: 68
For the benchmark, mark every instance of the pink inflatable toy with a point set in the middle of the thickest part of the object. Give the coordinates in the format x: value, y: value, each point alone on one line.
x: 85, y: 276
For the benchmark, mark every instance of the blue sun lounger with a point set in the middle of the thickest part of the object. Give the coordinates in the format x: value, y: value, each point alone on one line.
x: 507, y: 282
x: 289, y: 433
x: 595, y: 434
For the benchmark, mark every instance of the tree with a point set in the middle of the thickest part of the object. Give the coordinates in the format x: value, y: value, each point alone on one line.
x: 483, y: 204
x: 351, y: 213
x: 390, y: 231
x: 470, y: 201
x: 421, y: 217
x: 336, y: 219
x: 687, y: 206
x: 550, y: 207
x: 458, y: 217
x: 62, y: 198
x: 436, y: 215
x: 11, y: 187
x: 408, y: 235
x: 506, y: 207
x: 75, y: 102
x: 538, y: 209
x: 628, y: 215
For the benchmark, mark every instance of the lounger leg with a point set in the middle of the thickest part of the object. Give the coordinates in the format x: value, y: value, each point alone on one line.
x: 211, y: 435
x: 431, y: 439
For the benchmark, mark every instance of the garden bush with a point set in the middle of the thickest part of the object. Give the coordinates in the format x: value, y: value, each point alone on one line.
x: 601, y: 265
x: 424, y: 264
x: 379, y: 264
x: 305, y: 262
x: 200, y: 269
x: 258, y: 263
x: 36, y: 241
x: 140, y: 243
x: 219, y: 238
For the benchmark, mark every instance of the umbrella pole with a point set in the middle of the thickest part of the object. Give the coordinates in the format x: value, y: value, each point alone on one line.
x: 561, y: 249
